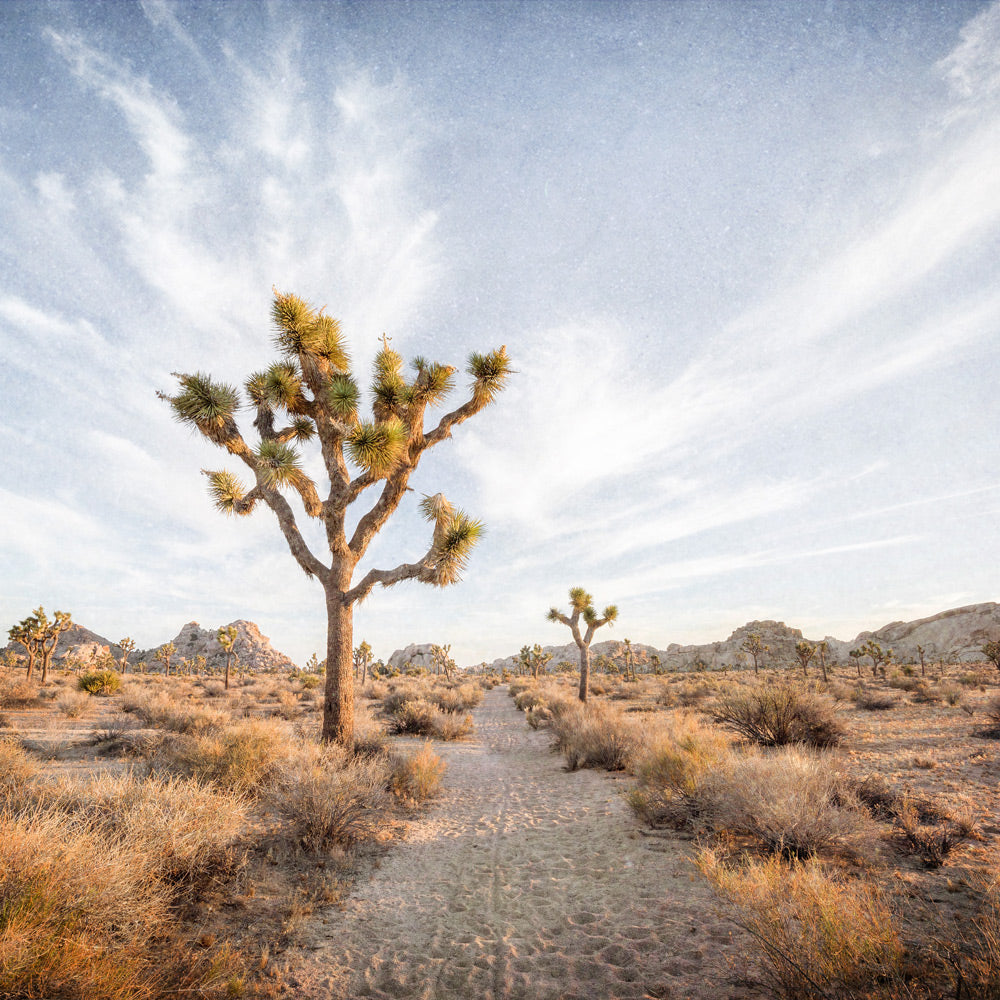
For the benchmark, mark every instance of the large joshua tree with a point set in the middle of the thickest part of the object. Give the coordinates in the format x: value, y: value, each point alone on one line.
x: 582, y: 606
x: 312, y: 384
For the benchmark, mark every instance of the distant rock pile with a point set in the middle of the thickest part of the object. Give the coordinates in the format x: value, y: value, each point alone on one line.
x: 253, y: 649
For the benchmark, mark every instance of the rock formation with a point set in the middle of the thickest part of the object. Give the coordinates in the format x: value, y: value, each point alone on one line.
x: 253, y: 649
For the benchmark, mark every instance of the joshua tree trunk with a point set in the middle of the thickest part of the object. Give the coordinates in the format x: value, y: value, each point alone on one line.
x: 338, y: 703
x: 584, y: 669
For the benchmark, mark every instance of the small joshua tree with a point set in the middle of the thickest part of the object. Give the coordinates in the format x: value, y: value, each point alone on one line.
x: 226, y: 637
x: 362, y: 660
x: 921, y: 654
x: 40, y: 635
x: 822, y: 648
x: 754, y: 645
x: 991, y: 650
x: 443, y: 663
x: 582, y: 606
x: 805, y: 651
x: 313, y: 385
x: 164, y: 655
x: 127, y: 646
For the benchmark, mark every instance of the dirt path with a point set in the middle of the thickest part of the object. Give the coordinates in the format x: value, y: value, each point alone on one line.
x: 523, y: 881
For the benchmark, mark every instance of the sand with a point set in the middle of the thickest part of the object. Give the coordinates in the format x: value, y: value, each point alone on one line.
x: 523, y: 880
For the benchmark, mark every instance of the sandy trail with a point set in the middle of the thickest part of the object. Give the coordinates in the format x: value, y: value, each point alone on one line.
x: 523, y: 881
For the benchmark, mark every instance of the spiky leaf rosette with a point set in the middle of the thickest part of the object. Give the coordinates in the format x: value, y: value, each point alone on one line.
x: 388, y: 366
x: 580, y: 600
x: 343, y: 396
x: 278, y: 465
x: 437, y: 508
x: 490, y: 373
x: 391, y: 397
x: 227, y: 493
x: 453, y: 547
x: 554, y: 615
x: 208, y: 405
x: 378, y: 447
x: 302, y: 429
x: 433, y: 381
x: 292, y: 318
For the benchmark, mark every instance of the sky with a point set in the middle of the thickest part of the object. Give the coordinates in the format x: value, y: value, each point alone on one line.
x: 744, y: 257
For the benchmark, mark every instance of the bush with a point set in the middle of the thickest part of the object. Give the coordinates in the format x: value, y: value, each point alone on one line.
x: 874, y: 701
x: 417, y: 777
x: 820, y: 936
x: 246, y: 757
x: 594, y: 735
x: 17, y: 693
x: 458, y: 699
x: 102, y: 682
x: 72, y: 704
x: 773, y: 716
x: 333, y: 801
x: 992, y: 728
x: 421, y: 718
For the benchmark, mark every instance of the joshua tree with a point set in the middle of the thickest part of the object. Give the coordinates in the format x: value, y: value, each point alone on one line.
x: 754, y: 645
x: 805, y: 651
x: 226, y: 637
x: 991, y: 650
x: 921, y: 653
x: 539, y: 660
x: 314, y: 386
x: 39, y: 635
x: 127, y: 646
x: 822, y: 648
x: 873, y: 650
x: 362, y: 659
x: 443, y: 663
x: 857, y: 655
x: 582, y: 606
x: 23, y: 632
x: 164, y: 654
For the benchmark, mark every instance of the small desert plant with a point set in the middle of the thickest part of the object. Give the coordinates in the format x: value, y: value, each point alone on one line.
x: 245, y: 757
x: 17, y: 693
x: 595, y: 735
x: 777, y: 715
x: 415, y: 778
x: 73, y: 704
x: 16, y: 766
x: 992, y: 711
x: 331, y: 800
x: 101, y: 682
x: 458, y: 699
x: 874, y: 701
x: 820, y: 937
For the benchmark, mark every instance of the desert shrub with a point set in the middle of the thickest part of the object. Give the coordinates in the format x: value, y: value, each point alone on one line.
x: 689, y: 694
x: 594, y: 735
x: 73, y: 704
x: 778, y: 715
x: 458, y: 699
x: 924, y: 694
x: 952, y: 694
x: 448, y: 726
x: 671, y: 772
x: 519, y: 684
x: 332, y: 800
x: 874, y: 701
x: 992, y: 711
x: 529, y: 698
x: 538, y: 717
x: 102, y: 682
x: 930, y: 842
x: 820, y: 936
x: 791, y: 802
x: 415, y: 718
x: 416, y: 777
x: 976, y: 955
x: 17, y: 693
x: 159, y: 710
x: 5, y: 721
x: 16, y: 766
x: 375, y: 690
x: 246, y: 757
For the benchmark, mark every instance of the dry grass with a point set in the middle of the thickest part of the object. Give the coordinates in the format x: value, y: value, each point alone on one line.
x: 594, y: 735
x: 417, y: 777
x: 819, y: 936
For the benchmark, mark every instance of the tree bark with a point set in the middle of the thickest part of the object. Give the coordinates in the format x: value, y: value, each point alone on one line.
x: 584, y: 670
x: 338, y: 701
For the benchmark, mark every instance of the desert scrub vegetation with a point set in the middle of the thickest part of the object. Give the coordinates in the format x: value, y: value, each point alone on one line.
x: 594, y: 735
x: 439, y: 710
x: 100, y: 682
x: 820, y: 936
x: 774, y: 715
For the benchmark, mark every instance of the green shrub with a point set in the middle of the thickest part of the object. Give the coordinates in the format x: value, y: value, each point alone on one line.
x: 103, y: 682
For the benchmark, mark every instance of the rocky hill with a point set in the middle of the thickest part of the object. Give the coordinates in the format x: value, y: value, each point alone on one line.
x: 253, y: 648
x: 954, y: 636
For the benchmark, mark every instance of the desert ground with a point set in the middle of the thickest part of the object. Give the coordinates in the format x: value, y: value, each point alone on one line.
x: 489, y: 864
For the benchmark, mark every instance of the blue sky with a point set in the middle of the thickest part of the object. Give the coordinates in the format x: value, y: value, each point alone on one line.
x: 745, y: 257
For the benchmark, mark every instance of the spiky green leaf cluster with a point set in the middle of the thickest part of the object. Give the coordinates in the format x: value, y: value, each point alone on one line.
x: 278, y: 464
x: 301, y: 331
x: 490, y: 373
x: 453, y: 547
x: 206, y: 404
x: 433, y: 382
x: 579, y: 599
x: 227, y: 493
x: 378, y: 447
x: 279, y: 386
x: 342, y: 396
